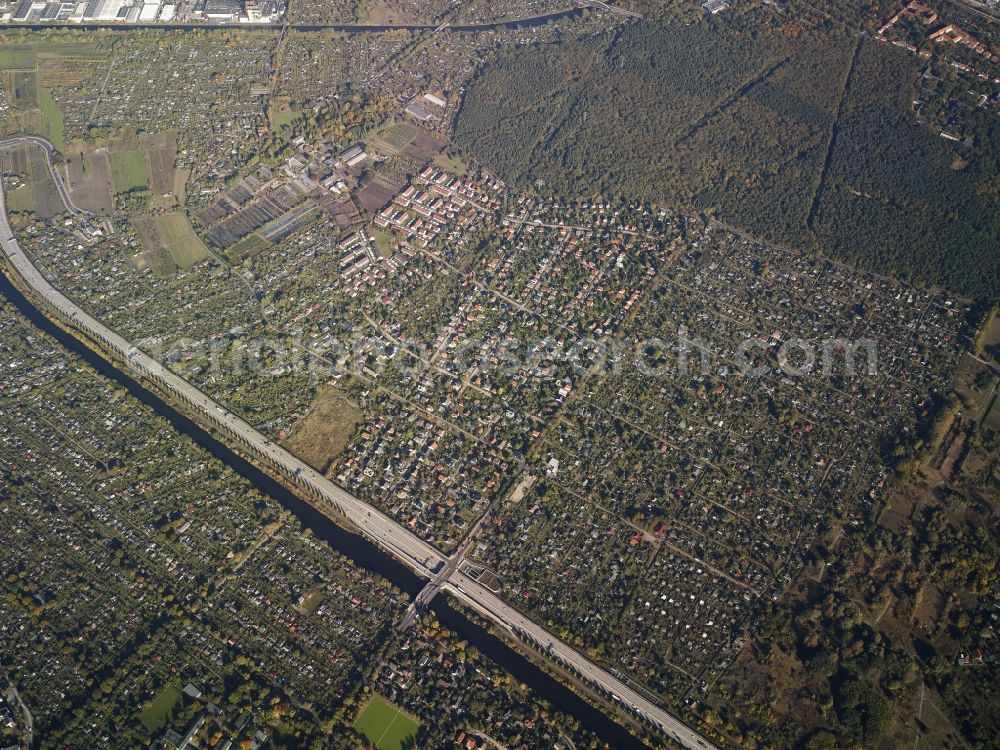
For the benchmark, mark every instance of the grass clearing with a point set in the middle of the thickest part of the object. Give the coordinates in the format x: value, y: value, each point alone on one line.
x: 17, y: 57
x: 310, y: 602
x: 281, y: 113
x: 160, y: 710
x: 128, y: 171
x: 386, y: 725
x: 52, y: 119
x: 21, y: 200
x: 184, y: 246
x: 453, y: 164
x: 383, y: 241
x: 324, y: 432
x: 169, y: 242
x: 24, y: 89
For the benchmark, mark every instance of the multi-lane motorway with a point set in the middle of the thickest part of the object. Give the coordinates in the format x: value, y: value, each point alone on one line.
x: 372, y: 523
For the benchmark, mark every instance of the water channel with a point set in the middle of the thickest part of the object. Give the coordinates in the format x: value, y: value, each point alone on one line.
x: 362, y: 552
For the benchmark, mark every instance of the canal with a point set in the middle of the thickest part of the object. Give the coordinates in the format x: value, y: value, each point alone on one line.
x: 363, y: 553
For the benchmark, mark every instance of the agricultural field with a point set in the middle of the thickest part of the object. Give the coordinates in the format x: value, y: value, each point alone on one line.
x: 250, y: 245
x: 30, y: 162
x: 407, y: 140
x: 23, y: 88
x: 34, y: 74
x: 128, y: 171
x: 169, y: 243
x: 89, y: 179
x: 385, y: 725
x: 395, y: 137
x: 160, y: 150
x: 375, y: 195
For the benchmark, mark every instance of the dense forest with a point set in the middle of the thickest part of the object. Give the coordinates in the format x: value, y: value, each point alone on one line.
x: 799, y: 139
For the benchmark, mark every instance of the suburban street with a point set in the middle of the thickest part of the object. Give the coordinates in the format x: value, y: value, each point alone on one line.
x: 373, y: 524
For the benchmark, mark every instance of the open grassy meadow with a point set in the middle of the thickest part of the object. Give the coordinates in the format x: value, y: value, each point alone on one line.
x: 17, y: 57
x: 21, y: 200
x: 128, y: 171
x: 23, y: 88
x: 157, y: 714
x: 184, y: 246
x: 324, y: 432
x: 52, y: 119
x: 386, y: 725
x: 169, y: 242
x: 281, y: 113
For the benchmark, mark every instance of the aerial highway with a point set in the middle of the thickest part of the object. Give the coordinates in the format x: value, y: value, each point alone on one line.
x: 419, y: 555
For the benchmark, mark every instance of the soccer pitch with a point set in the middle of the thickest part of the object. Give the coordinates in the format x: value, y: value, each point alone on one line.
x: 385, y: 725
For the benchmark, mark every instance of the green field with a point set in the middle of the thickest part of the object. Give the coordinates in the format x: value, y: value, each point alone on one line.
x: 184, y: 246
x: 169, y: 243
x: 383, y: 241
x: 82, y: 50
x: 24, y: 90
x: 311, y: 602
x: 385, y: 725
x: 157, y: 714
x: 281, y: 113
x: 452, y: 164
x: 128, y: 171
x: 21, y: 200
x: 52, y: 119
x: 17, y: 57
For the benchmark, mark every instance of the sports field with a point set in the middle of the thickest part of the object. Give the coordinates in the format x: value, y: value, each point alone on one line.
x: 160, y: 710
x: 385, y: 725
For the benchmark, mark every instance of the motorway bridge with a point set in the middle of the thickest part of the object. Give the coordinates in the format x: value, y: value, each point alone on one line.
x: 374, y: 525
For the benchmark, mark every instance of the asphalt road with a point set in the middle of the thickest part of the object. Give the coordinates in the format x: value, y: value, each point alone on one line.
x: 373, y: 524
x: 32, y: 140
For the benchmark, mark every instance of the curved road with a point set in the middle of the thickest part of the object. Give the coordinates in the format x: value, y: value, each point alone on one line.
x: 373, y: 524
x: 49, y: 149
